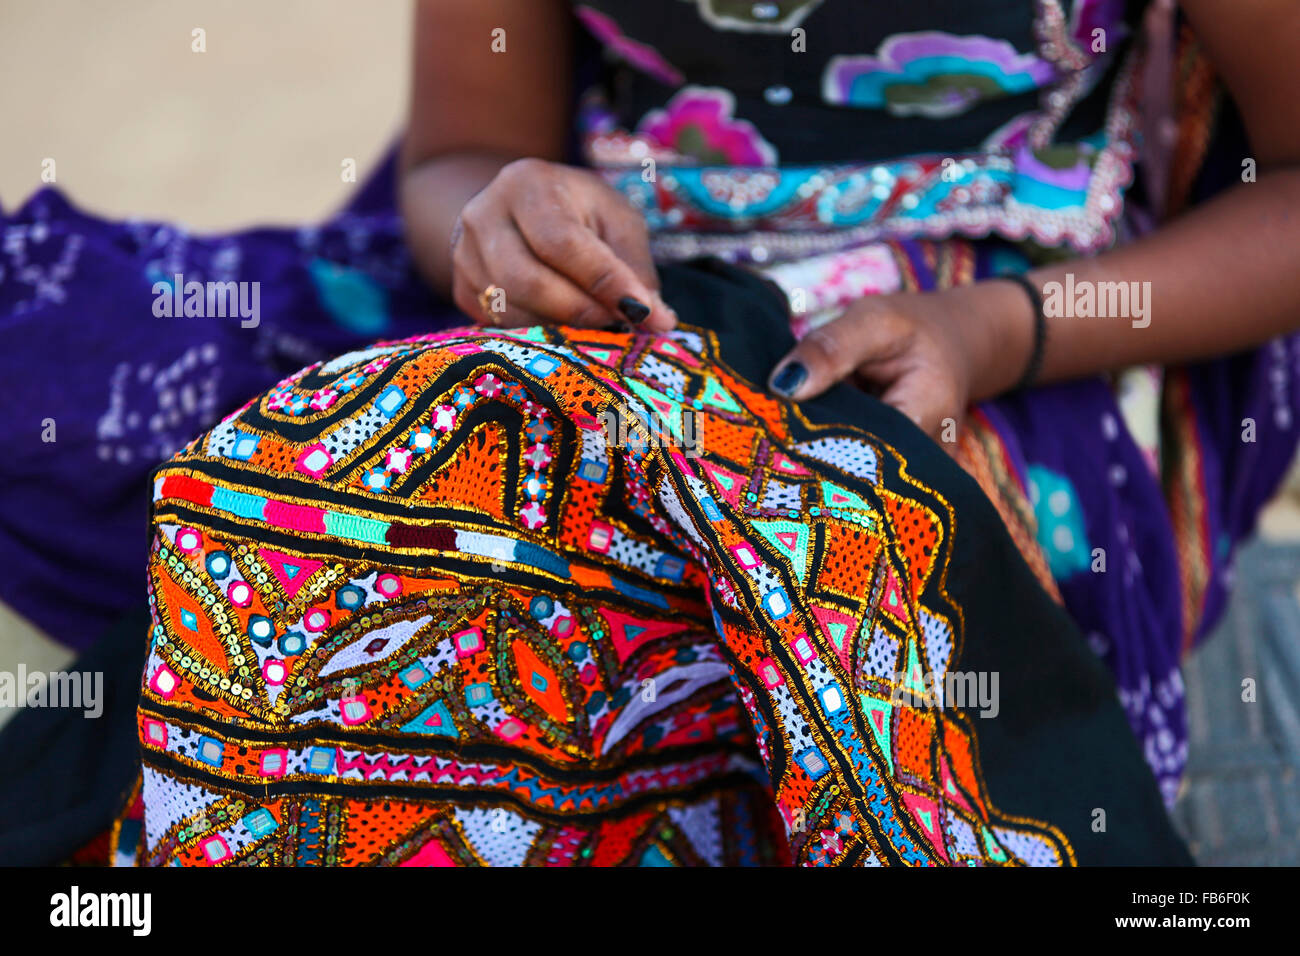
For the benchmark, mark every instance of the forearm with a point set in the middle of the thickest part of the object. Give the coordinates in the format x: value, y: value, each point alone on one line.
x: 431, y: 194
x: 1223, y: 278
x: 476, y: 107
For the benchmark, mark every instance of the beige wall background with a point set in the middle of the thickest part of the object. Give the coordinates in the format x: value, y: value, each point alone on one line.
x: 251, y: 131
x: 254, y: 130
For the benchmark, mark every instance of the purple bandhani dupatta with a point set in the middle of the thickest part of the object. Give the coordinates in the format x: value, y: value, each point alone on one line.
x: 101, y: 389
x: 1168, y: 540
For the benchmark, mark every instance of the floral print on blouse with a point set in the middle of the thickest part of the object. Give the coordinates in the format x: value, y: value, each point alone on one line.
x: 766, y: 131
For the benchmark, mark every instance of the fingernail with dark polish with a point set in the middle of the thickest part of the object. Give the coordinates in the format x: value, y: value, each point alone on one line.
x: 791, y: 375
x: 635, y: 311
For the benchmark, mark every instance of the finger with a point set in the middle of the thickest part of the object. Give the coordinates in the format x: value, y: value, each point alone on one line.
x: 627, y: 235
x: 578, y: 253
x: 924, y: 402
x: 830, y: 352
x: 467, y: 280
x: 467, y: 299
x: 487, y: 303
x: 902, y: 397
x: 534, y: 287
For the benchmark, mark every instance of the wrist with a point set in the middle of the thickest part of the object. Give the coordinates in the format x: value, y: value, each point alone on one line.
x: 997, y: 328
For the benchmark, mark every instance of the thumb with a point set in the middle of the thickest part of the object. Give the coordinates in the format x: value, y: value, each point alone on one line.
x: 628, y: 236
x: 830, y: 352
x: 920, y: 398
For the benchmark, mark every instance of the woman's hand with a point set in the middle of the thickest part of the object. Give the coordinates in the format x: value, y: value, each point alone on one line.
x: 928, y: 354
x: 553, y: 244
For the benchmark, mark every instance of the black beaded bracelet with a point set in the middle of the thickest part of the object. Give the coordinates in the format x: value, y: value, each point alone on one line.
x: 1035, y: 362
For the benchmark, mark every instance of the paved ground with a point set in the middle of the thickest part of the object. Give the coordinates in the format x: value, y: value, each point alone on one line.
x: 255, y: 129
x: 1241, y: 800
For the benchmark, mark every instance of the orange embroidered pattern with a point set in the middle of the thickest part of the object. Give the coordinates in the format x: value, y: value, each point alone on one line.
x: 553, y: 597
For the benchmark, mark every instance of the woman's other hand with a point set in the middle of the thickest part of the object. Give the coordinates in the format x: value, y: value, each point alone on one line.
x: 929, y: 355
x: 549, y: 243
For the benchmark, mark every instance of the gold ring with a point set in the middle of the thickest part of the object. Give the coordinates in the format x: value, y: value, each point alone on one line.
x: 485, y: 302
